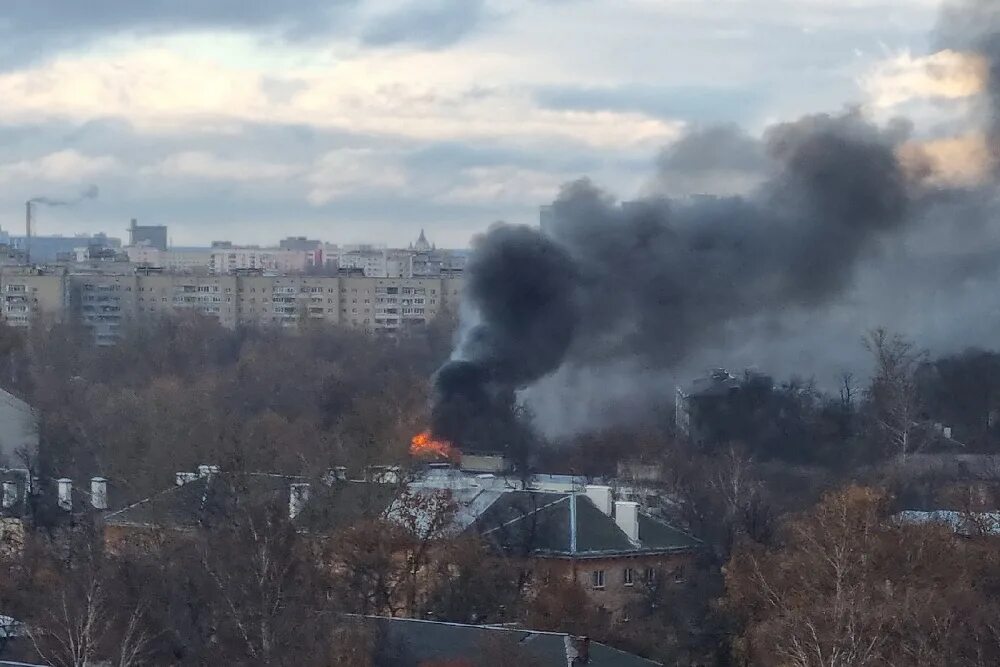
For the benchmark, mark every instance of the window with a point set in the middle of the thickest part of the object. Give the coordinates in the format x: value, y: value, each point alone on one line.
x: 650, y: 575
x: 597, y: 578
x: 629, y: 580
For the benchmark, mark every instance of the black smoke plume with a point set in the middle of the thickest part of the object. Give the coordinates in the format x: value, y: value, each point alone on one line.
x: 655, y: 281
x: 524, y: 287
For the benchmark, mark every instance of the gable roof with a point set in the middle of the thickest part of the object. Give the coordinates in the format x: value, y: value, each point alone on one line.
x: 520, y: 522
x: 190, y: 505
x: 569, y: 524
x: 415, y: 642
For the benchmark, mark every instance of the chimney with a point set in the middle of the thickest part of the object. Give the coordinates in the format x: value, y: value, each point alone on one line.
x: 99, y: 493
x: 947, y: 432
x: 9, y: 494
x: 601, y: 497
x: 206, y: 470
x: 65, y: 493
x: 384, y: 474
x: 577, y: 650
x: 340, y: 473
x: 627, y: 518
x: 298, y: 496
x: 182, y: 478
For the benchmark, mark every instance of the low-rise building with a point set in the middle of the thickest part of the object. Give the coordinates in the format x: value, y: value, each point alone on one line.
x: 614, y: 550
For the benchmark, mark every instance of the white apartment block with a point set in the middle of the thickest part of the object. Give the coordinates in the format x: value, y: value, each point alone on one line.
x: 174, y: 260
x: 229, y: 260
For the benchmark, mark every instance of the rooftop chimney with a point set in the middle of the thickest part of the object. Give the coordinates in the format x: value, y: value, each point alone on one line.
x: 9, y: 494
x: 65, y: 493
x: 340, y: 473
x: 385, y: 474
x: 298, y: 496
x: 627, y: 518
x: 182, y: 478
x: 577, y: 650
x: 601, y: 497
x: 99, y: 493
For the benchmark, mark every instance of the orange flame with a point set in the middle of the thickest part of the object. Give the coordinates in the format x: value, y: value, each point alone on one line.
x: 423, y: 445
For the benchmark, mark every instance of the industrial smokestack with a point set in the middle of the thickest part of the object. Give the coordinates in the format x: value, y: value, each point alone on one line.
x: 90, y: 192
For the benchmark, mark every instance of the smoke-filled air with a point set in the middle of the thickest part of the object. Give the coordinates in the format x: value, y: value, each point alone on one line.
x: 845, y: 222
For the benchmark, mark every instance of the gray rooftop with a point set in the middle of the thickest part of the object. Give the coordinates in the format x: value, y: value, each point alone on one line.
x: 414, y: 642
x: 570, y: 525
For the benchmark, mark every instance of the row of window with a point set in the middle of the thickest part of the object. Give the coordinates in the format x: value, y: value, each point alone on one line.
x: 628, y: 577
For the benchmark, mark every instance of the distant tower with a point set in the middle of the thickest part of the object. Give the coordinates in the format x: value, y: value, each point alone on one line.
x: 422, y: 245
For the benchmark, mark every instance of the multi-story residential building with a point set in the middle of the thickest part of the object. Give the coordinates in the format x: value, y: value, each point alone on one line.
x: 163, y: 294
x: 230, y: 259
x: 288, y: 300
x: 371, y: 259
x: 174, y: 260
x: 29, y: 294
x: 389, y: 304
x: 104, y: 301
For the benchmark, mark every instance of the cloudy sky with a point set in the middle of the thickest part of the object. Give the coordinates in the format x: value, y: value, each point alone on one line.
x: 365, y: 120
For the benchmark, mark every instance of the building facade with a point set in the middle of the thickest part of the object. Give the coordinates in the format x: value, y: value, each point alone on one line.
x: 30, y: 295
x: 104, y: 301
x: 151, y: 235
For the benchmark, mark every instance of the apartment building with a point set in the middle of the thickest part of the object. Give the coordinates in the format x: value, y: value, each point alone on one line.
x: 164, y: 294
x: 175, y: 260
x: 29, y: 295
x: 231, y: 259
x: 104, y: 302
x: 389, y: 304
x: 287, y: 300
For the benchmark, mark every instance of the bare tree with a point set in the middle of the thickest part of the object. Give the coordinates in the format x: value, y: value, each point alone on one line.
x: 848, y: 389
x: 893, y: 393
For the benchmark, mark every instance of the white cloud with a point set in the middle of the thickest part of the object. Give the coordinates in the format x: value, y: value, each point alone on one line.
x: 504, y: 184
x: 66, y: 166
x: 420, y: 96
x: 204, y: 165
x: 354, y: 170
x: 945, y: 75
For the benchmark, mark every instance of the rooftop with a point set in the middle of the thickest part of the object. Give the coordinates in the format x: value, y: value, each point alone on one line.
x: 558, y: 523
x: 570, y: 525
x: 412, y: 642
